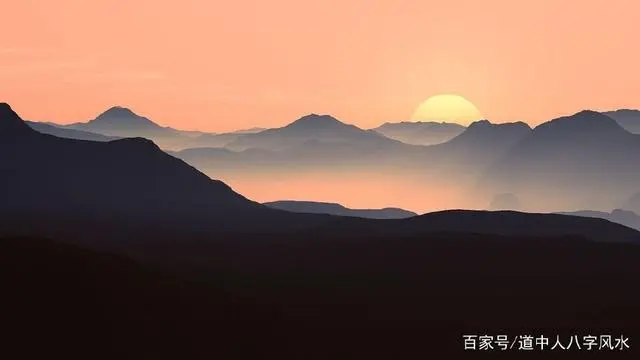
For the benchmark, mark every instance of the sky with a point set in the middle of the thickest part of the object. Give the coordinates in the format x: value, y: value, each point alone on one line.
x: 217, y: 65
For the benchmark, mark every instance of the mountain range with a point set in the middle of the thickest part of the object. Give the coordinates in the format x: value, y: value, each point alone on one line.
x: 115, y: 181
x: 586, y: 160
x: 139, y: 254
x: 132, y: 181
x: 561, y: 161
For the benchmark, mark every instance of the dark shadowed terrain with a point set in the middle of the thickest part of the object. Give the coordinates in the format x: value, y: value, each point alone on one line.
x: 311, y: 298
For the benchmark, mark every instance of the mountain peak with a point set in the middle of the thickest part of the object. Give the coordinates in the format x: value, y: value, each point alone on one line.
x: 316, y: 121
x: 117, y: 112
x: 123, y: 117
x: 486, y: 124
x: 583, y: 121
x: 10, y: 122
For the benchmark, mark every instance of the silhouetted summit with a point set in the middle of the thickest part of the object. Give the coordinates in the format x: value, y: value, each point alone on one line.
x: 122, y: 122
x: 315, y: 121
x: 122, y: 181
x: 11, y: 126
x: 580, y: 124
x: 120, y: 118
x: 480, y: 144
x: 311, y: 129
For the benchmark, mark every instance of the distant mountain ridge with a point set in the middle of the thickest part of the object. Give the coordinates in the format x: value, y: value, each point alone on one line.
x: 420, y: 133
x: 122, y: 122
x: 579, y: 161
x: 629, y: 119
x: 313, y: 207
x: 68, y: 133
x: 309, y: 128
x: 122, y: 181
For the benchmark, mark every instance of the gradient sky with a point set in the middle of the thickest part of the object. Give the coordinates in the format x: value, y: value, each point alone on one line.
x: 220, y: 65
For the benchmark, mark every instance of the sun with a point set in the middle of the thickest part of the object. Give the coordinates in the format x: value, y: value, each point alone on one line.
x: 447, y: 108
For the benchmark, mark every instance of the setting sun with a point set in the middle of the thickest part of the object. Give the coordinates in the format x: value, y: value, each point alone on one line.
x: 449, y: 108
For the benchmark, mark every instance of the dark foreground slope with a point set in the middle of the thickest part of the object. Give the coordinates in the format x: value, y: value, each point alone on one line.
x: 320, y: 298
x: 126, y: 181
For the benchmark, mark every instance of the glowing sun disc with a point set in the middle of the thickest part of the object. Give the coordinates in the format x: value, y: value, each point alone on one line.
x: 447, y: 108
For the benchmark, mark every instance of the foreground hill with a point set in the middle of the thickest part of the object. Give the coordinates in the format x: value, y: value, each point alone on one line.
x: 624, y: 217
x: 312, y: 207
x: 503, y: 223
x: 312, y: 297
x: 129, y: 181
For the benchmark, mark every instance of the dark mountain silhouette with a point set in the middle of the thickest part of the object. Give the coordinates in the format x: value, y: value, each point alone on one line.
x: 310, y: 128
x: 624, y: 217
x: 62, y: 132
x: 129, y: 180
x: 132, y: 181
x: 581, y: 161
x: 312, y: 207
x: 627, y: 118
x: 478, y: 146
x: 344, y: 298
x: 122, y: 122
x: 420, y: 133
x: 505, y: 202
x: 504, y: 223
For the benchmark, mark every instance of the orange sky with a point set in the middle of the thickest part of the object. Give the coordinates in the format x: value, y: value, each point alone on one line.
x: 220, y: 65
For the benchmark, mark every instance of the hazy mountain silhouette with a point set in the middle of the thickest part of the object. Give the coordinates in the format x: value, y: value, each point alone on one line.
x: 314, y: 142
x: 624, y: 217
x: 478, y: 146
x: 62, y: 132
x: 252, y: 130
x: 420, y: 133
x: 127, y: 180
x: 310, y: 128
x: 585, y: 160
x: 313, y: 207
x: 123, y: 122
x: 211, y: 140
x: 505, y: 202
x: 633, y: 203
x: 627, y: 118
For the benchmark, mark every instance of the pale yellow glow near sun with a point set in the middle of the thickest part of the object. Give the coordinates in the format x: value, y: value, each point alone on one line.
x: 448, y: 108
